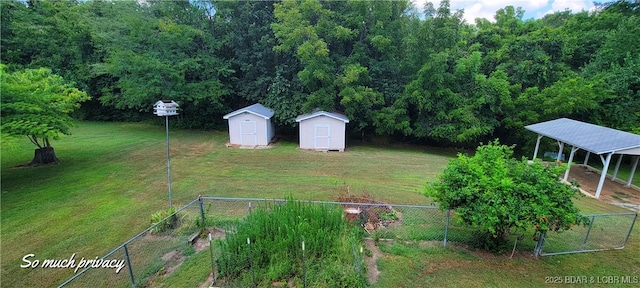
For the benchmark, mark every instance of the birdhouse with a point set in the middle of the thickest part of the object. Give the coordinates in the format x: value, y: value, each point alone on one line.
x: 165, y: 108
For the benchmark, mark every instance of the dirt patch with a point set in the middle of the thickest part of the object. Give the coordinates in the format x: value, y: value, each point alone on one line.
x: 373, y: 217
x: 173, y: 260
x: 612, y: 192
x: 198, y: 149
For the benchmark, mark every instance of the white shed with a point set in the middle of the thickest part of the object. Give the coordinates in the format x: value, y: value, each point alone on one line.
x: 322, y: 130
x: 250, y: 126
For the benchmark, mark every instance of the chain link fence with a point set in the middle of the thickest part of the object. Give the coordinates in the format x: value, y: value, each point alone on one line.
x: 153, y: 254
x: 604, y: 232
x: 144, y: 256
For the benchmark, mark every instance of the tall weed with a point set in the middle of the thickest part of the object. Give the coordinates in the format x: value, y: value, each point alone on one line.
x: 276, y: 233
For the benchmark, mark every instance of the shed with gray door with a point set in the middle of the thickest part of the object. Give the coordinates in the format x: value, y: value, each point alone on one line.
x: 250, y: 126
x: 323, y: 131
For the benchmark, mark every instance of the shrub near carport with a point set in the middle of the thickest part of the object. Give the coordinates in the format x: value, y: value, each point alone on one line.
x: 502, y: 196
x: 332, y: 256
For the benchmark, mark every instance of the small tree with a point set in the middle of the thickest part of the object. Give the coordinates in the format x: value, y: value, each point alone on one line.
x: 501, y: 196
x: 36, y: 103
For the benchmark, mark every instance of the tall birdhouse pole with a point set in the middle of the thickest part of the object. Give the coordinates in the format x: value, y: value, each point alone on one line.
x: 167, y: 108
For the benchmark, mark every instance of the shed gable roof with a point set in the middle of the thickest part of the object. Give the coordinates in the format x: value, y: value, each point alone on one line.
x: 255, y: 109
x: 593, y: 138
x: 336, y: 116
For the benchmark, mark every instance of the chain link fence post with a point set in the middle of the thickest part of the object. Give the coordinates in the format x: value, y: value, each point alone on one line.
x: 446, y: 227
x: 540, y: 244
x: 126, y: 257
x: 586, y: 237
x: 633, y: 223
x: 202, y: 219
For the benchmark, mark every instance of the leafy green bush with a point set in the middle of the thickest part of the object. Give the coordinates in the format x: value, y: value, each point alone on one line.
x: 276, y: 233
x: 502, y: 196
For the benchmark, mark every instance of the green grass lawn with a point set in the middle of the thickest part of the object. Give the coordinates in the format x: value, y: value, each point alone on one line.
x: 113, y: 177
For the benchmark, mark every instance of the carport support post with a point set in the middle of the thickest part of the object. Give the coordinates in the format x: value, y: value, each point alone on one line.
x: 573, y: 152
x: 633, y: 171
x: 535, y: 152
x: 561, y: 144
x: 605, y: 167
x: 586, y: 158
x: 615, y: 171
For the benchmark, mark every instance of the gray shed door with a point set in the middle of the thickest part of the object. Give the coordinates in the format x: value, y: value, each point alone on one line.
x: 322, y: 136
x: 248, y: 133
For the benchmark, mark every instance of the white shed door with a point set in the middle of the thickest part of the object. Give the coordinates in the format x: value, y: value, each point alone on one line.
x: 248, y: 133
x: 322, y: 136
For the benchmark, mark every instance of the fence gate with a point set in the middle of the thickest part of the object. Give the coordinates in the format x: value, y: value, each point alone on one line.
x: 604, y: 232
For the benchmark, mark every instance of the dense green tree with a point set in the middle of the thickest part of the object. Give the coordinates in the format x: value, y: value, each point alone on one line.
x: 616, y: 63
x: 333, y: 43
x: 621, y: 107
x: 53, y: 34
x: 261, y: 74
x: 250, y: 39
x: 502, y: 196
x: 425, y: 109
x: 36, y: 103
x: 161, y: 50
x: 452, y: 101
x: 413, y: 73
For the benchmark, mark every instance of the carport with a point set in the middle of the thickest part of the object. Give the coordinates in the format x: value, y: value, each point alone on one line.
x: 602, y: 141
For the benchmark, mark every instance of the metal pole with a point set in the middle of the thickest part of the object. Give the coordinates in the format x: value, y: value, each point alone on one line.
x: 630, y: 229
x: 633, y: 171
x: 213, y: 269
x: 202, y: 214
x: 535, y: 152
x: 166, y: 125
x: 126, y: 256
x: 304, y: 269
x: 586, y: 237
x: 603, y: 175
x: 446, y: 227
x: 586, y: 159
x: 573, y: 152
x: 615, y: 171
x: 540, y: 244
x: 253, y: 273
x: 561, y: 144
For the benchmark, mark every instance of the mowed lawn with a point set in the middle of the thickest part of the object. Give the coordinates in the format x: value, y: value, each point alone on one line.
x: 113, y: 177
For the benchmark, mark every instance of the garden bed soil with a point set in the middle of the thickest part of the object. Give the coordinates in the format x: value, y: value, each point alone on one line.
x: 371, y: 217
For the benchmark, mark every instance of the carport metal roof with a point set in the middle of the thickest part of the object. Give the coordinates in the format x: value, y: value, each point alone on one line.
x: 595, y: 139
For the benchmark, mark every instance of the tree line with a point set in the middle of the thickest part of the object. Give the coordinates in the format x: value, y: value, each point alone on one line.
x: 410, y: 73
